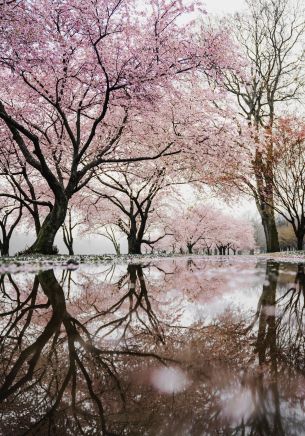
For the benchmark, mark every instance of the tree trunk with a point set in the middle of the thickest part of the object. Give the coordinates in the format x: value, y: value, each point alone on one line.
x: 117, y: 248
x: 68, y: 240
x: 264, y: 199
x: 134, y: 246
x: 300, y: 239
x: 190, y: 248
x: 271, y: 235
x: 44, y: 243
x: 5, y: 246
x: 37, y: 224
x: 266, y: 337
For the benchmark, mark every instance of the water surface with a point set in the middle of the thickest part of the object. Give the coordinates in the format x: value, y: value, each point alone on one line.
x: 167, y: 347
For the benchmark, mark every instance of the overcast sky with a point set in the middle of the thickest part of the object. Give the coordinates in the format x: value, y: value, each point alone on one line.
x: 224, y: 6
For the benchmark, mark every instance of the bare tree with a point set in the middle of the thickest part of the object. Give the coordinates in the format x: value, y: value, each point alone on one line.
x: 10, y: 217
x: 68, y: 227
x: 270, y: 36
x: 289, y: 182
x: 108, y: 231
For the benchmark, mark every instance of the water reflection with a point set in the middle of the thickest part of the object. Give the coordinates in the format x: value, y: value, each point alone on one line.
x: 164, y: 348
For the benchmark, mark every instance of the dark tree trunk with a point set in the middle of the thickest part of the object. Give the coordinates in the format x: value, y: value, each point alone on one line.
x: 190, y: 248
x: 44, y: 243
x: 266, y: 337
x: 134, y: 245
x: 68, y: 240
x: 7, y: 233
x: 265, y: 201
x: 270, y: 230
x: 267, y: 341
x: 133, y: 239
x: 5, y: 246
x: 36, y: 223
x: 300, y: 241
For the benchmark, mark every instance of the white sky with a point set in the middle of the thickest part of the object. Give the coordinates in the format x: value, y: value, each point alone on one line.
x: 224, y: 6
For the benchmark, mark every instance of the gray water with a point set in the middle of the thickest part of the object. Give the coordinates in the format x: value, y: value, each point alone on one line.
x: 197, y: 346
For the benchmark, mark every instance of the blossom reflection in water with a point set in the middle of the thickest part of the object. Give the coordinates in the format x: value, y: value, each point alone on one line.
x: 112, y: 349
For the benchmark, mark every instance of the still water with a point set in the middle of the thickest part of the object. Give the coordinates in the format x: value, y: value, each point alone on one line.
x: 206, y: 346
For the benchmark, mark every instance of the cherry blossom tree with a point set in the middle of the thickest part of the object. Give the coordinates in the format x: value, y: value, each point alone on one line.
x: 206, y: 227
x: 83, y: 78
x: 233, y: 234
x: 137, y: 193
x: 133, y: 196
x: 192, y: 227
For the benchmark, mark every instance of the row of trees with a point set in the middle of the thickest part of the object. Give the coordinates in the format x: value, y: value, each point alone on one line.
x: 208, y: 230
x: 146, y: 223
x: 109, y: 108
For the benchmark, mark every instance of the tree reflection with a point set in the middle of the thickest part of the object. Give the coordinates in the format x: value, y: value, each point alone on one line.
x: 91, y: 362
x: 291, y: 328
x: 138, y: 306
x: 56, y: 359
x: 280, y: 338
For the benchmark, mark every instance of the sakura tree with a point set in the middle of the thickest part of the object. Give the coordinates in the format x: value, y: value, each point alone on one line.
x: 234, y: 234
x: 133, y: 197
x: 205, y: 227
x: 83, y: 75
x: 138, y: 193
x: 192, y: 226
